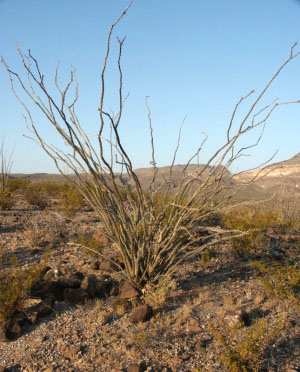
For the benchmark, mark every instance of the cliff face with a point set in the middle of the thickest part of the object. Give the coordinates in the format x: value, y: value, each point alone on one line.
x: 290, y: 167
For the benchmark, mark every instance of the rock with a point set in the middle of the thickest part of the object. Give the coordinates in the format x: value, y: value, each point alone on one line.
x: 141, y: 313
x: 13, y: 331
x: 40, y: 310
x: 3, y: 329
x: 76, y: 296
x: 52, y: 274
x: 120, y: 305
x: 45, y: 307
x: 192, y: 329
x: 236, y: 320
x: 32, y: 317
x: 114, y: 290
x: 95, y: 265
x: 49, y: 369
x: 100, y: 238
x: 202, y: 344
x: 128, y: 291
x: 106, y: 318
x: 109, y: 266
x: 43, y: 289
x: 71, y: 281
x: 89, y: 284
x: 72, y: 352
x: 244, y: 318
x: 134, y: 368
x: 20, y: 317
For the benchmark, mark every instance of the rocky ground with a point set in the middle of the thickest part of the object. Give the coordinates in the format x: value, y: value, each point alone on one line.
x: 83, y: 317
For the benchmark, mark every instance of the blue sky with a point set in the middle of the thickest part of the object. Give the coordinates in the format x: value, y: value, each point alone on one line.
x: 192, y: 57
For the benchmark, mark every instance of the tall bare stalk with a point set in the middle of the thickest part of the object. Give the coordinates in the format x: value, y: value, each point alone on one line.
x: 6, y: 165
x: 154, y: 230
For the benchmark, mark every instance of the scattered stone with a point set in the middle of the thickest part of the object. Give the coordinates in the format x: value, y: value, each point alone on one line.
x: 20, y: 317
x: 100, y: 238
x: 120, y: 305
x: 76, y: 296
x: 89, y: 284
x: 13, y: 331
x: 128, y: 291
x: 72, y: 352
x: 95, y: 265
x: 244, y: 318
x: 70, y: 281
x: 141, y: 313
x: 192, y: 329
x: 109, y: 266
x: 134, y: 368
x: 43, y: 289
x: 106, y: 318
x: 52, y: 274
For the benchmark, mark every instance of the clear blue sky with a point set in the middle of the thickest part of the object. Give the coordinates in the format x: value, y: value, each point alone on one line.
x: 192, y: 57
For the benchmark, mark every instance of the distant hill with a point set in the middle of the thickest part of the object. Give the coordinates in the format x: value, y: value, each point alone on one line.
x: 277, y: 176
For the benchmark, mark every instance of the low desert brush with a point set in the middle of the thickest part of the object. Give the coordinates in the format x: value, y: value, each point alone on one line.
x: 18, y: 184
x: 7, y: 200
x: 35, y: 197
x: 71, y: 201
x: 90, y: 244
x: 247, y: 354
x: 157, y: 294
x: 15, y: 283
x: 254, y: 222
x: 280, y: 281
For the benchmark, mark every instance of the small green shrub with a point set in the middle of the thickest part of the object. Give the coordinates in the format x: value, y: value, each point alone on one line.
x: 280, y: 281
x: 15, y: 283
x: 18, y: 184
x: 35, y: 197
x: 248, y: 354
x: 207, y: 255
x: 252, y: 221
x: 7, y: 200
x: 89, y: 242
x: 72, y: 201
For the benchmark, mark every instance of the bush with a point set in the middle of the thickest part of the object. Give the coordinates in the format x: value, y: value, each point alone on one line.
x: 72, y: 201
x: 253, y: 222
x: 15, y: 283
x: 35, y: 197
x: 18, y: 184
x: 280, y: 281
x: 7, y: 200
x: 248, y: 354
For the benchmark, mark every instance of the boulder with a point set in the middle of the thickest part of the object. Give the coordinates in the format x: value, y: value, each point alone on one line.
x: 128, y: 291
x: 120, y: 305
x: 141, y: 313
x: 89, y: 284
x: 109, y: 266
x: 76, y: 295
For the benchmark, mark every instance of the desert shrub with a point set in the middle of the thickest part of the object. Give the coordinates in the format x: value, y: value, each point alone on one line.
x: 207, y: 256
x: 35, y: 197
x: 156, y: 295
x: 151, y: 239
x: 52, y: 188
x: 247, y: 354
x: 15, y: 283
x: 7, y: 200
x: 18, y: 184
x: 252, y: 221
x: 90, y: 244
x: 72, y: 201
x: 281, y: 281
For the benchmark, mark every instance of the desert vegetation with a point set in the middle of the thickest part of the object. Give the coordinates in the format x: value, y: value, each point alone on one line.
x: 196, y: 277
